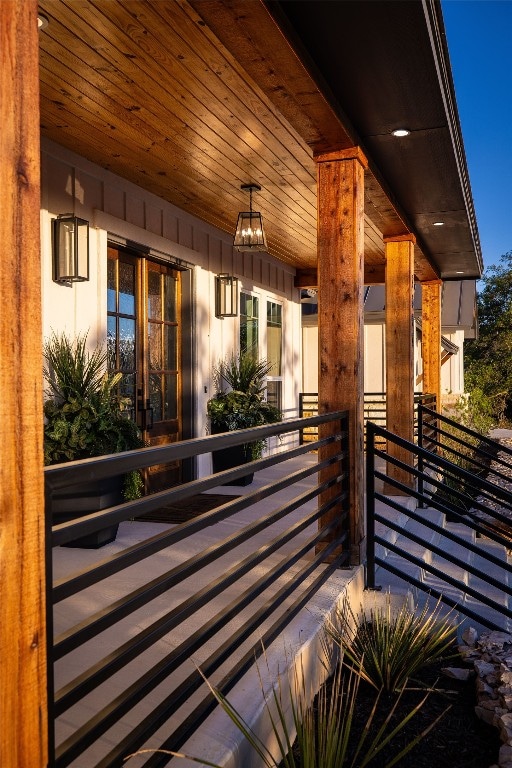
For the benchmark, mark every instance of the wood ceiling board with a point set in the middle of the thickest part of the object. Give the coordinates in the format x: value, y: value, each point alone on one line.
x: 137, y: 114
x: 154, y: 97
x: 247, y: 27
x: 171, y: 101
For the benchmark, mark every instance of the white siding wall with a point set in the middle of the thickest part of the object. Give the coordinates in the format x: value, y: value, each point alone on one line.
x: 120, y: 210
x: 452, y: 371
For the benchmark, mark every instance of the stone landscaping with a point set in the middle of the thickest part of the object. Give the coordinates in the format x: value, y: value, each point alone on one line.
x: 490, y: 655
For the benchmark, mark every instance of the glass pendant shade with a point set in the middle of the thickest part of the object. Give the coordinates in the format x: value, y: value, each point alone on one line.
x: 249, y: 234
x: 70, y: 249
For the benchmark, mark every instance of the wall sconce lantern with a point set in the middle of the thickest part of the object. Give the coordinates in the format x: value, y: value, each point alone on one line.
x: 226, y: 296
x: 250, y: 235
x: 70, y: 249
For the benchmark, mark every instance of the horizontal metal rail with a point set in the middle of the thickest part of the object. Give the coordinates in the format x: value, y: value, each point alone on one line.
x: 423, y: 478
x: 374, y: 410
x: 488, y: 465
x: 236, y: 576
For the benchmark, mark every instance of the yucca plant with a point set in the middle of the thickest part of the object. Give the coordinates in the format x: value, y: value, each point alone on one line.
x: 388, y: 647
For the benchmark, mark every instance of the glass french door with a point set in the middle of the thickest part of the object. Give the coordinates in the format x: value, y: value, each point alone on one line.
x: 144, y: 345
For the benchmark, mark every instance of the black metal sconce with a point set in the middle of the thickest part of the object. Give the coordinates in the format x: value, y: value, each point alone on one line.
x: 70, y: 249
x: 249, y: 234
x: 226, y: 296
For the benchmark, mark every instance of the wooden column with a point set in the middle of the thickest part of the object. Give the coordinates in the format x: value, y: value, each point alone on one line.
x: 340, y: 193
x: 431, y: 338
x: 23, y: 708
x: 400, y: 347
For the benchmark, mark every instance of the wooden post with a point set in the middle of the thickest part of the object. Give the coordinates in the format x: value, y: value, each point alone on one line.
x: 340, y: 194
x: 400, y: 348
x: 23, y: 709
x: 431, y: 338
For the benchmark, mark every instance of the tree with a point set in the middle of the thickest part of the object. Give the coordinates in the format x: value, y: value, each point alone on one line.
x: 488, y: 359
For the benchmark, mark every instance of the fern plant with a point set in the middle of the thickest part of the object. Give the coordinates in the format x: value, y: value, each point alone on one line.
x: 85, y: 416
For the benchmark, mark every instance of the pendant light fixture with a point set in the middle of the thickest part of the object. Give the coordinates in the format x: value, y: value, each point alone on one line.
x: 250, y: 235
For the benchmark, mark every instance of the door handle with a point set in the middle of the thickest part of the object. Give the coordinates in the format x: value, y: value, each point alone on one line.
x: 145, y: 414
x: 148, y: 423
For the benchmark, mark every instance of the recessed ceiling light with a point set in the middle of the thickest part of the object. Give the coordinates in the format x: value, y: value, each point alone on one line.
x: 438, y: 223
x: 42, y: 21
x: 401, y: 132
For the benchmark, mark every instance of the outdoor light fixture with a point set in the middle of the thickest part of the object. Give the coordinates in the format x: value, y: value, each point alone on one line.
x: 399, y: 132
x: 226, y: 296
x: 42, y: 21
x: 70, y: 249
x: 249, y: 235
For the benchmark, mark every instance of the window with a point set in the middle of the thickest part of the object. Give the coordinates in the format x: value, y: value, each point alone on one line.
x: 275, y: 353
x: 249, y: 322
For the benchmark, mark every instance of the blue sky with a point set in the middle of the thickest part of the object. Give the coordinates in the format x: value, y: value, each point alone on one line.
x: 479, y: 34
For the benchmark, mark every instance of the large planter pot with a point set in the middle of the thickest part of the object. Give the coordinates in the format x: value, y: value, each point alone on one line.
x: 84, y: 498
x: 229, y: 458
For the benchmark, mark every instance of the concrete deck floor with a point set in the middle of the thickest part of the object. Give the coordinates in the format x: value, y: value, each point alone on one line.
x: 217, y: 740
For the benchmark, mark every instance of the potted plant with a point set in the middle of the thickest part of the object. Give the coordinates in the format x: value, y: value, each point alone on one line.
x: 85, y: 416
x: 239, y: 403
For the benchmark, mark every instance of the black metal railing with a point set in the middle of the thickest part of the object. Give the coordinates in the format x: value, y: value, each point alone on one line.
x: 459, y: 563
x: 125, y: 625
x: 482, y: 473
x: 374, y: 410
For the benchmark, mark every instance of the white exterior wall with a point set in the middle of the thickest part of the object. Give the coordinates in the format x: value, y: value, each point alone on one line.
x: 452, y: 371
x: 119, y: 210
x: 374, y: 357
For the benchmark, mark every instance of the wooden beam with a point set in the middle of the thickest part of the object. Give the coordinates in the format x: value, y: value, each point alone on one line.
x: 23, y: 710
x: 340, y: 189
x: 400, y: 348
x: 431, y: 338
x: 374, y: 274
x: 306, y: 278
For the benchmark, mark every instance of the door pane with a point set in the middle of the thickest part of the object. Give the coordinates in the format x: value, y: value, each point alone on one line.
x: 155, y: 346
x: 111, y: 285
x: 170, y: 285
x: 155, y: 395
x: 126, y: 288
x: 111, y: 343
x: 171, y: 396
x: 127, y: 388
x: 126, y: 344
x: 170, y: 347
x: 154, y: 296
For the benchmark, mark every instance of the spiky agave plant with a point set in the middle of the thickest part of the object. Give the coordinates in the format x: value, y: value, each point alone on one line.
x: 389, y: 647
x: 320, y: 734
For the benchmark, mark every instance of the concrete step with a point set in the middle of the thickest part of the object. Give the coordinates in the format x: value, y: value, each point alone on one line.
x: 459, y: 572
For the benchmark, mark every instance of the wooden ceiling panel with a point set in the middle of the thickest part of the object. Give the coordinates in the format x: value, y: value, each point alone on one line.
x: 173, y: 113
x: 147, y: 90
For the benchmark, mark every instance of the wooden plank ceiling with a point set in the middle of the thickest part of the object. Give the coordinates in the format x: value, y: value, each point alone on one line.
x: 147, y: 90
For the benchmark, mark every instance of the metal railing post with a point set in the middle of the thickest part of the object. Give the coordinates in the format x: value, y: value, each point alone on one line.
x: 421, y: 464
x: 370, y: 506
x: 50, y: 684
